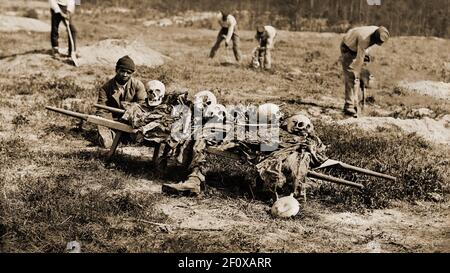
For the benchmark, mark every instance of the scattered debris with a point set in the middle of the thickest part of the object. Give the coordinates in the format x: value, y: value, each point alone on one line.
x: 422, y: 112
x: 436, y: 197
x: 408, y: 113
x: 373, y: 247
x: 75, y: 104
x: 315, y: 111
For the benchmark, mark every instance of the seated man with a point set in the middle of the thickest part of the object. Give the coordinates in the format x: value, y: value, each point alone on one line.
x: 122, y: 88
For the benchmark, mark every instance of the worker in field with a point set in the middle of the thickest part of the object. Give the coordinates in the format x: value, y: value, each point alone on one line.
x: 122, y: 88
x: 354, y: 52
x: 265, y: 35
x: 62, y: 10
x: 228, y: 32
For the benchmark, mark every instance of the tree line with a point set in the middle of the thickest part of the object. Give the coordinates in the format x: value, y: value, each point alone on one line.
x: 401, y: 17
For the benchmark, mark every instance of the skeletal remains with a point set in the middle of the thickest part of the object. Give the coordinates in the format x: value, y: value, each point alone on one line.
x: 296, y: 125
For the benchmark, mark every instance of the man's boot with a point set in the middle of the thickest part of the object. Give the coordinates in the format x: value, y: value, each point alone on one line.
x: 55, y: 52
x: 192, y: 186
x: 105, y: 137
x: 189, y: 187
x: 350, y: 111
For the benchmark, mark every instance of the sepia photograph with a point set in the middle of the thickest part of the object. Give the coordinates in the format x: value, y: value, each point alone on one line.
x: 244, y: 127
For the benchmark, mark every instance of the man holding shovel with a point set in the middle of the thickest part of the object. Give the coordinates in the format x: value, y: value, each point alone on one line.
x: 228, y: 32
x: 354, y: 52
x: 61, y: 10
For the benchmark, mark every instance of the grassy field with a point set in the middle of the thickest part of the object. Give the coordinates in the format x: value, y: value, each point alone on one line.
x: 56, y: 185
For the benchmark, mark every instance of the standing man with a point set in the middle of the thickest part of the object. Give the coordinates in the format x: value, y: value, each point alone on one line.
x: 122, y: 88
x: 62, y: 10
x: 265, y: 35
x: 354, y: 52
x: 228, y: 32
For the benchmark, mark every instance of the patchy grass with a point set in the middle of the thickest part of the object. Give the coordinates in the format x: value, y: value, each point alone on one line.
x: 40, y: 212
x: 422, y: 171
x: 55, y: 90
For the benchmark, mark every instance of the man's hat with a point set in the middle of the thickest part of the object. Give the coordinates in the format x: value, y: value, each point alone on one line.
x: 383, y: 34
x: 126, y: 63
x: 260, y: 28
x: 223, y: 14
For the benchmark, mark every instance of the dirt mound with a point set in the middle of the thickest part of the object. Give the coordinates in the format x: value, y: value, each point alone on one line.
x: 15, y: 23
x: 107, y: 52
x: 437, y: 131
x: 439, y: 90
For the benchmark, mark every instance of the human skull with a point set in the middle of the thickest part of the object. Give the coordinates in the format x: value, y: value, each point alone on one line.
x: 255, y: 62
x: 216, y: 112
x: 269, y: 112
x: 155, y: 91
x: 255, y: 58
x: 285, y: 207
x: 203, y: 99
x: 300, y: 124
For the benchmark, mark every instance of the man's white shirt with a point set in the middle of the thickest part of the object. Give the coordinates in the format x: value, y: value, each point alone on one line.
x: 54, y: 5
x: 358, y: 40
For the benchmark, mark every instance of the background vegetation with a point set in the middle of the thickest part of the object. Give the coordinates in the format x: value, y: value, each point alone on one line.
x: 402, y: 17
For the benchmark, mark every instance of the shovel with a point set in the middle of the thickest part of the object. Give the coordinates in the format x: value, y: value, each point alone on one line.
x: 363, y: 98
x: 357, y: 90
x: 73, y: 56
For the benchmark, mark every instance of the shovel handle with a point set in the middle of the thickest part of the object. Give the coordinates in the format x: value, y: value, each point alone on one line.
x: 368, y: 172
x: 334, y: 179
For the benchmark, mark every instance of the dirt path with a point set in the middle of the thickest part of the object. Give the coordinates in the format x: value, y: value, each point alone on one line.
x: 423, y: 229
